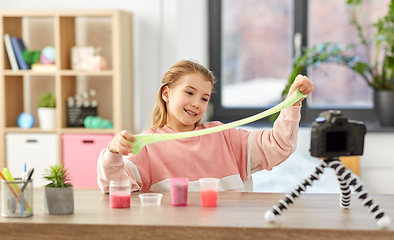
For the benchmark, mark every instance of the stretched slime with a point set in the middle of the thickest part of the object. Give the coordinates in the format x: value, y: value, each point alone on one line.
x: 148, y: 139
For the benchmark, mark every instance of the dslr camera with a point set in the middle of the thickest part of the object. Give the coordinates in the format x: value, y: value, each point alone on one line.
x: 334, y: 135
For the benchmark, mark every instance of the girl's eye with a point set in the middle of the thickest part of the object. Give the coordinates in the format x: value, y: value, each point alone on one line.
x: 205, y: 100
x: 189, y: 93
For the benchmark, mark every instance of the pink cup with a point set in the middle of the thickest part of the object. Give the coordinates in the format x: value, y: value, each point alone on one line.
x: 179, y: 191
x: 119, y: 194
x: 209, y: 191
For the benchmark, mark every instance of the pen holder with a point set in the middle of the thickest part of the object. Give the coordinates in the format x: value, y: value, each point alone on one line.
x: 14, y: 202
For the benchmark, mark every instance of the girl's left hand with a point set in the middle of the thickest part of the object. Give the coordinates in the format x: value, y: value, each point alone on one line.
x: 305, y: 85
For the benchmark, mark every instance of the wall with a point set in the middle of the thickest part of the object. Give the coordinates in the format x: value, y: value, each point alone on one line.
x: 165, y: 31
x: 377, y: 162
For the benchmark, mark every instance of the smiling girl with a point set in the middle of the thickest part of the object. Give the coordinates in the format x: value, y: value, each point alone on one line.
x: 231, y: 155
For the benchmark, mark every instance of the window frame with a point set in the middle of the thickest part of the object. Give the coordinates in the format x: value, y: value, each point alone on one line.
x: 366, y: 115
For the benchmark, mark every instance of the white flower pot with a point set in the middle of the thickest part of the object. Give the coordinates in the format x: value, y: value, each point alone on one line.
x: 46, y: 118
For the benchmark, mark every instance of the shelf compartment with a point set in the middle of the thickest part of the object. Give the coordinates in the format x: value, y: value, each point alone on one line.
x: 93, y: 31
x: 73, y: 85
x: 22, y: 94
x: 36, y: 32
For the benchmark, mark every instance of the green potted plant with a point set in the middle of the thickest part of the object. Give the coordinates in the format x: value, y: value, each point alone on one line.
x: 47, y: 110
x: 378, y: 72
x: 58, y: 195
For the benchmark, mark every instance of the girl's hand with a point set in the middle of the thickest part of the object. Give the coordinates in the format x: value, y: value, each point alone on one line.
x: 305, y: 85
x: 119, y: 143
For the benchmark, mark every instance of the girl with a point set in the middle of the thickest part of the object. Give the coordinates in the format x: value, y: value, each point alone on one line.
x: 231, y: 155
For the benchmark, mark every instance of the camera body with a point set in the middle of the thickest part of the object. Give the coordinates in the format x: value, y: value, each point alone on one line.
x: 334, y: 135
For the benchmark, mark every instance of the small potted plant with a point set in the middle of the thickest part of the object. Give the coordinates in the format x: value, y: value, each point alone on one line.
x: 47, y: 110
x: 58, y: 196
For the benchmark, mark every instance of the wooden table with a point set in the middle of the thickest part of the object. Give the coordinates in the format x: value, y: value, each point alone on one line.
x: 238, y: 216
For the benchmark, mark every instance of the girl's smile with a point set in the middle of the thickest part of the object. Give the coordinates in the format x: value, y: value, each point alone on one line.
x: 191, y: 113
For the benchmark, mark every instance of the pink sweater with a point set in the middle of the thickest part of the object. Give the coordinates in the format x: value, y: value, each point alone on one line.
x: 231, y: 155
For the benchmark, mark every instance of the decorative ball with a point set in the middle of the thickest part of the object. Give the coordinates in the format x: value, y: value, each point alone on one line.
x: 269, y: 216
x: 96, y: 122
x: 48, y: 55
x: 384, y: 222
x: 25, y: 120
x: 87, y: 121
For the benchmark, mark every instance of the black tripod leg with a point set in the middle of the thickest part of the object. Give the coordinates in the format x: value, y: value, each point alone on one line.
x: 284, y: 203
x: 373, y: 207
x: 342, y: 173
x: 351, y: 180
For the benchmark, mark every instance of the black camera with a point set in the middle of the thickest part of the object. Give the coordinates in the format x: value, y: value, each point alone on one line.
x: 334, y: 135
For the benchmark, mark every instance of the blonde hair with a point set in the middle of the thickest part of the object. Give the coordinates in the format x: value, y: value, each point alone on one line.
x: 171, y: 77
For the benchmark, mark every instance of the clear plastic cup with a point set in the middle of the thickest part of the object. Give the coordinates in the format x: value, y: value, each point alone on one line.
x: 119, y: 194
x: 209, y: 191
x: 179, y: 191
x: 150, y: 199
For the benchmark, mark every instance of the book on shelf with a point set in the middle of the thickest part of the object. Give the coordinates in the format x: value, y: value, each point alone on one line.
x: 39, y: 67
x: 19, y: 46
x: 10, y: 52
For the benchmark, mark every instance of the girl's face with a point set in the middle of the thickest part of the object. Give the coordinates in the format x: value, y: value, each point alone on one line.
x: 187, y: 101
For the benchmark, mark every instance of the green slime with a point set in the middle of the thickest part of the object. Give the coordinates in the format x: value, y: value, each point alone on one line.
x: 142, y: 140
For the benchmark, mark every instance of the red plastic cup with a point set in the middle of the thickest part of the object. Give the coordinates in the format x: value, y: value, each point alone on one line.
x: 119, y: 194
x: 179, y: 191
x: 209, y: 191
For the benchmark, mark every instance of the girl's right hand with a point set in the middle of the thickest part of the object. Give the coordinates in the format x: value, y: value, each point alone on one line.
x: 119, y: 143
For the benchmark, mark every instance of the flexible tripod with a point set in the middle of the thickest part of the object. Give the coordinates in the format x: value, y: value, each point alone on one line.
x: 345, y: 178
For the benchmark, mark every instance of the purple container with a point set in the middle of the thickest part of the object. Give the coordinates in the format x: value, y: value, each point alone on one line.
x: 179, y: 191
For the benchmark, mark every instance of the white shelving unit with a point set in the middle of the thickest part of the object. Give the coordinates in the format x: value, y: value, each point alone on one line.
x: 109, y: 29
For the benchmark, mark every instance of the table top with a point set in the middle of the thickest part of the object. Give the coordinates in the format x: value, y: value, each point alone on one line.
x: 237, y: 216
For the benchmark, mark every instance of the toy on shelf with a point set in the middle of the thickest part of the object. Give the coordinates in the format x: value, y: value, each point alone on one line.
x: 80, y: 106
x: 82, y: 99
x: 48, y: 55
x: 88, y: 59
x: 25, y: 120
x: 98, y: 63
x: 333, y: 136
x: 95, y: 122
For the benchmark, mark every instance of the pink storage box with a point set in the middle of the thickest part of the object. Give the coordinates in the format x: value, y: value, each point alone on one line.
x: 80, y: 154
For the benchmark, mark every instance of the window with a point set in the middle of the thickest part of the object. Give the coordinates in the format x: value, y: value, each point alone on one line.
x: 256, y: 52
x: 251, y: 52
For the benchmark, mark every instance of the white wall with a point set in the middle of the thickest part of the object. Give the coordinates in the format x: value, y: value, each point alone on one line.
x: 377, y: 163
x: 165, y: 31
